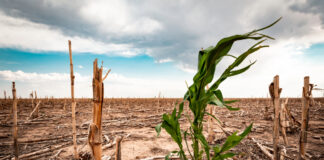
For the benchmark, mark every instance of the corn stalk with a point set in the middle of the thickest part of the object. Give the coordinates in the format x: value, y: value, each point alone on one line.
x: 75, y: 147
x: 95, y: 132
x: 199, y: 97
x: 15, y: 121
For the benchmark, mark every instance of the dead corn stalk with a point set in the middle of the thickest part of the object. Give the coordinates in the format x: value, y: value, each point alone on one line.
x: 15, y: 129
x: 64, y: 108
x: 36, y: 108
x: 32, y: 99
x: 75, y: 149
x: 95, y: 133
x: 275, y: 95
x: 306, y: 102
x: 118, y: 148
x: 36, y: 111
x: 284, y: 123
x: 211, y: 135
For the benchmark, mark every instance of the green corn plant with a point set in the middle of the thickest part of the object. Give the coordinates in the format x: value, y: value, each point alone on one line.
x: 199, y: 97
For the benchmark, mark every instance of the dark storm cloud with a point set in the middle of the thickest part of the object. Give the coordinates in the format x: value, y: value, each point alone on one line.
x: 56, y: 14
x: 311, y: 6
x: 185, y: 26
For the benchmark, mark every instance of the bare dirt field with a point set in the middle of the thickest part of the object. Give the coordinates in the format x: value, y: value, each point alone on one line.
x: 49, y: 136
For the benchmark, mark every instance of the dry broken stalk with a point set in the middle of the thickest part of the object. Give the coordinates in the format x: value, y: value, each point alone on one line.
x: 211, y: 135
x: 64, y: 108
x: 283, y: 121
x: 118, y: 148
x: 76, y: 156
x: 95, y: 132
x: 263, y: 149
x: 36, y: 108
x: 307, y: 93
x: 15, y: 129
x: 275, y: 95
x: 32, y: 99
x: 36, y: 112
x: 5, y: 96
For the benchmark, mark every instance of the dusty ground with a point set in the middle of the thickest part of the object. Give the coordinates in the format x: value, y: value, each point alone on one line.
x: 136, y: 119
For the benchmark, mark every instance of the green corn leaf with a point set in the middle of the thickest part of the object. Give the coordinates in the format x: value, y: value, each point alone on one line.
x: 246, y: 131
x: 217, y: 149
x: 231, y: 108
x: 158, y: 129
x: 223, y: 156
x: 173, y: 132
x: 239, y: 71
x: 251, y: 50
x: 228, y: 155
x: 230, y: 142
x: 175, y: 152
x: 231, y: 56
x: 198, y: 97
x: 231, y: 101
x: 168, y: 120
x: 185, y: 138
x: 214, y: 118
x: 174, y: 113
x: 170, y: 130
x: 180, y: 110
x: 234, y: 139
x: 237, y: 62
x: 266, y: 27
x: 219, y: 95
x: 204, y: 143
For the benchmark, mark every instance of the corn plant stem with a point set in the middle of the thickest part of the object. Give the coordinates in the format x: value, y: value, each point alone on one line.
x: 190, y: 129
x: 195, y: 141
x: 198, y: 97
x: 188, y: 148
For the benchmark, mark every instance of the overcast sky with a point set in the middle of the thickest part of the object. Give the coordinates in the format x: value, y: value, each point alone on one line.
x: 152, y: 46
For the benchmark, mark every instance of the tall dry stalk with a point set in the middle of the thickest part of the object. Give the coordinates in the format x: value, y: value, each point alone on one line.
x: 15, y: 116
x: 275, y: 95
x: 307, y: 93
x: 95, y: 132
x: 75, y: 149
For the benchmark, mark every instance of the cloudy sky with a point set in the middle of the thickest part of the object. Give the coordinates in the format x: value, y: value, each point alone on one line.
x: 152, y: 46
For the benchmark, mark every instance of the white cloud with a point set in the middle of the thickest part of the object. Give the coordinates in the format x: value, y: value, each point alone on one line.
x: 186, y: 68
x: 175, y: 31
x: 117, y: 17
x: 166, y: 60
x: 19, y: 75
x: 116, y: 85
x: 80, y: 66
x: 23, y: 34
x: 276, y: 60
